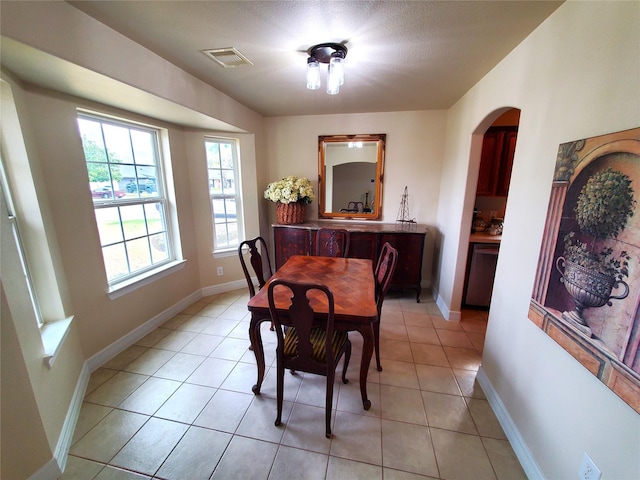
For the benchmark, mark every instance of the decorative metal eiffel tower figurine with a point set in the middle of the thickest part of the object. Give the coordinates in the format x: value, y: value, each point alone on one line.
x: 403, y: 212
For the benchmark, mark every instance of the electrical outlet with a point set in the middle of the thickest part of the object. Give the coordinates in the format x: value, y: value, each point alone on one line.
x: 588, y: 469
x: 220, y: 271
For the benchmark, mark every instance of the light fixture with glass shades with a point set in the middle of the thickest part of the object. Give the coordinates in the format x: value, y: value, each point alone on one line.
x: 333, y: 54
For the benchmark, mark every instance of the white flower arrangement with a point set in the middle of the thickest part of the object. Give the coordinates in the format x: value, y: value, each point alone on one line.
x: 290, y: 190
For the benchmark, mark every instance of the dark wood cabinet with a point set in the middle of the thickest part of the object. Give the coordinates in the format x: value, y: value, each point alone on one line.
x: 294, y: 241
x: 504, y: 172
x: 409, y: 266
x: 364, y: 245
x: 498, y: 148
x: 366, y: 242
x: 488, y: 175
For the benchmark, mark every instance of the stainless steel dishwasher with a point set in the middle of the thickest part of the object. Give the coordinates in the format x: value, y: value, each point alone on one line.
x: 484, y: 258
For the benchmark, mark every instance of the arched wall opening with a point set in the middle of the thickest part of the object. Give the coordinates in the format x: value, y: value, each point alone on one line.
x: 489, y: 203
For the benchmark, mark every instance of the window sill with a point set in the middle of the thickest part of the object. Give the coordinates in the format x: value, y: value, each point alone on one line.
x: 232, y: 252
x: 122, y: 288
x: 53, y: 335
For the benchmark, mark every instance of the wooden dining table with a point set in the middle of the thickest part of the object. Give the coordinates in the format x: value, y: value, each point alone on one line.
x: 352, y: 282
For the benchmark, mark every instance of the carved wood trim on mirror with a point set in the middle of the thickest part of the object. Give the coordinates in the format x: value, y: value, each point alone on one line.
x: 350, y: 176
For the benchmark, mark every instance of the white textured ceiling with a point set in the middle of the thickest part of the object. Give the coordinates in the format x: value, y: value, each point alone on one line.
x: 403, y: 55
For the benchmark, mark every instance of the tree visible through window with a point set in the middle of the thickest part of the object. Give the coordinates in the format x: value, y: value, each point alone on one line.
x: 222, y: 167
x: 126, y: 183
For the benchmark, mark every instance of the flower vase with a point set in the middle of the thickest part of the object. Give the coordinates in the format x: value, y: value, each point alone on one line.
x: 290, y: 213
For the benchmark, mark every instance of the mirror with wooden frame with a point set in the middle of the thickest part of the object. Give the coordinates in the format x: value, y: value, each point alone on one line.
x: 350, y: 175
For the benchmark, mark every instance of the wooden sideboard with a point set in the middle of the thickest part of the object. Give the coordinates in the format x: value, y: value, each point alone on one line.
x: 367, y: 240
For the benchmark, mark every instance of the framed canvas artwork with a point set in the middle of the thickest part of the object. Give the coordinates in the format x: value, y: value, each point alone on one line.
x: 587, y: 285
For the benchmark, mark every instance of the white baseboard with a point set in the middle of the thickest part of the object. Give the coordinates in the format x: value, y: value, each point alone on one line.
x: 528, y: 462
x: 121, y: 344
x: 48, y: 471
x: 69, y: 427
x: 225, y: 287
x: 452, y: 316
x: 132, y: 337
x: 54, y: 467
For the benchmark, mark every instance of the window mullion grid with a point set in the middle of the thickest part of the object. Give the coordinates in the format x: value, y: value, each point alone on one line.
x: 224, y: 197
x: 223, y: 172
x: 129, y: 258
x: 226, y: 218
x: 147, y: 234
x: 124, y: 240
x: 106, y: 155
x: 25, y: 269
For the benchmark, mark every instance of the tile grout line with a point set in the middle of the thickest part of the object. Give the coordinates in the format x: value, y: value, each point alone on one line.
x: 294, y: 402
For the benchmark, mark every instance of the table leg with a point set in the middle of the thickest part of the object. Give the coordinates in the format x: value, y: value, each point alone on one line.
x: 256, y: 343
x: 367, y: 351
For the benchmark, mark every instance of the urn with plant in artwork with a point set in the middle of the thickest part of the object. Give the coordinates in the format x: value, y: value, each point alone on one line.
x: 591, y: 270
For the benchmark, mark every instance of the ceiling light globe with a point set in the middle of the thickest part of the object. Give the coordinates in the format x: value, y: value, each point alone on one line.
x: 337, y: 65
x: 313, y: 74
x: 333, y: 81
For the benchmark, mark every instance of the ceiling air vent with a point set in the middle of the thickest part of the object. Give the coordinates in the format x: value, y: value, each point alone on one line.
x: 227, y: 57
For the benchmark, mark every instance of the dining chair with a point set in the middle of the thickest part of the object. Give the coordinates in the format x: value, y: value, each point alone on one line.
x: 385, y: 268
x: 261, y: 269
x: 305, y: 346
x: 332, y: 242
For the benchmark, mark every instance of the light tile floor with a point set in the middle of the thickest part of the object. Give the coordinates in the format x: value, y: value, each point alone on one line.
x: 178, y: 405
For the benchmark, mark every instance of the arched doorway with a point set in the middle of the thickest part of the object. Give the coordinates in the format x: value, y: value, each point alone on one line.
x: 490, y: 197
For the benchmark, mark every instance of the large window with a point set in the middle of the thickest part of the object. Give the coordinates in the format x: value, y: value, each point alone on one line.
x: 127, y: 187
x: 224, y: 192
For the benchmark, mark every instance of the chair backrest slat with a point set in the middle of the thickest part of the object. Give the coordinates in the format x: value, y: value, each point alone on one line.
x: 301, y: 317
x: 259, y: 260
x: 384, y: 272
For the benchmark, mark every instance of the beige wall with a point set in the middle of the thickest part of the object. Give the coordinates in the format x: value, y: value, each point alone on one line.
x: 414, y: 154
x: 576, y: 76
x: 26, y: 444
x: 413, y: 158
x: 35, y: 396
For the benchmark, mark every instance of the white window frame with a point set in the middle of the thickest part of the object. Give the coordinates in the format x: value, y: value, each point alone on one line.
x: 5, y: 191
x: 159, y: 197
x: 237, y: 197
